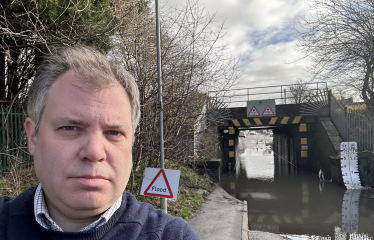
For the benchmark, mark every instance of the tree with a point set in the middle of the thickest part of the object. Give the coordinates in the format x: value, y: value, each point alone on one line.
x: 299, y: 92
x: 192, y: 63
x: 30, y: 28
x: 338, y: 36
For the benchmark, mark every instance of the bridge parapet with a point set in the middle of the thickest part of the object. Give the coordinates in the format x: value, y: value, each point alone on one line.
x: 286, y: 114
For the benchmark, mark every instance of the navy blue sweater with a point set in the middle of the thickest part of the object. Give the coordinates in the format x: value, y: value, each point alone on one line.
x: 133, y: 220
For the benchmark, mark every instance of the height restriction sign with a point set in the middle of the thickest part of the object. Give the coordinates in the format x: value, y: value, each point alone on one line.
x: 253, y: 112
x: 268, y: 111
x: 261, y: 108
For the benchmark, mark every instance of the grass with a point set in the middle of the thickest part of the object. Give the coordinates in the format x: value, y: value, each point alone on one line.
x: 17, y: 181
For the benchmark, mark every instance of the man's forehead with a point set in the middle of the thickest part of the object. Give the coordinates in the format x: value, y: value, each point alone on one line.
x: 70, y: 83
x: 85, y: 83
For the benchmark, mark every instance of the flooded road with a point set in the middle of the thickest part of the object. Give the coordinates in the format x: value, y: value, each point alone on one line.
x: 293, y: 203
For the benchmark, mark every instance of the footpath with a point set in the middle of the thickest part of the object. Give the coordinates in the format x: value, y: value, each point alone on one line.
x: 221, y: 217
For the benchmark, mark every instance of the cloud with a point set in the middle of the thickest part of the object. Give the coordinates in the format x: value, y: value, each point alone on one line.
x: 272, y: 65
x: 262, y: 34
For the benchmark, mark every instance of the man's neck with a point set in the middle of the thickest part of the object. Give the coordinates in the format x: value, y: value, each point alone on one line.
x: 70, y: 222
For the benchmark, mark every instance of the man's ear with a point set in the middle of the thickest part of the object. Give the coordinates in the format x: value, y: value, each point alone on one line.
x: 31, y: 137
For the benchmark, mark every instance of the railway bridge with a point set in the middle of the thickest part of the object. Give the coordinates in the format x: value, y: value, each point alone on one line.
x: 304, y: 134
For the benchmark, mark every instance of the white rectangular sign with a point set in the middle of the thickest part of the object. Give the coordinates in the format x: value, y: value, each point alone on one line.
x: 261, y: 108
x: 349, y: 165
x: 159, y: 182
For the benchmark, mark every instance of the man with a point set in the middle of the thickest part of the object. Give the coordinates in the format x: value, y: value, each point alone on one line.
x: 83, y: 111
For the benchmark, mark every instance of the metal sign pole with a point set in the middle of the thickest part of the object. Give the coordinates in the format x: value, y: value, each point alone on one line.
x: 162, y: 200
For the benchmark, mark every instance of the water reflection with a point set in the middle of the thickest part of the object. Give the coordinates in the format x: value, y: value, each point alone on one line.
x: 294, y: 204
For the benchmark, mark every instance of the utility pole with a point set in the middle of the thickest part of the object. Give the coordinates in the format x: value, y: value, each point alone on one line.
x: 160, y: 106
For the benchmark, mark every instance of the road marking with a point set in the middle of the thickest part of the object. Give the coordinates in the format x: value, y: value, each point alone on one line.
x: 250, y: 218
x: 232, y: 185
x: 231, y: 154
x: 303, y: 140
x: 261, y: 218
x: 276, y: 219
x: 231, y: 142
x: 287, y: 219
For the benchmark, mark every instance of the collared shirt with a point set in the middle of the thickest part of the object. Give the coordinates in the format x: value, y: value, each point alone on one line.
x: 43, y: 218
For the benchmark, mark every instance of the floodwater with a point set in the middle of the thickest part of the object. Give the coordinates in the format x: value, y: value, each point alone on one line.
x: 292, y: 203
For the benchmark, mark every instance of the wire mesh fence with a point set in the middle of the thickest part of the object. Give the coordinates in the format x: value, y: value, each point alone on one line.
x: 13, y: 140
x: 353, y: 125
x: 360, y: 129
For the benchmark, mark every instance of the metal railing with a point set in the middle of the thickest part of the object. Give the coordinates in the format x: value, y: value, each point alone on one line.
x: 13, y: 140
x: 360, y: 129
x: 352, y: 125
x: 283, y: 94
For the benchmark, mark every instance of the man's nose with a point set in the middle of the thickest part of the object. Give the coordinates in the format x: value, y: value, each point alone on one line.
x: 93, y: 148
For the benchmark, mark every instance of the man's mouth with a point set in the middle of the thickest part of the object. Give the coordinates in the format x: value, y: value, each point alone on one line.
x: 91, y: 180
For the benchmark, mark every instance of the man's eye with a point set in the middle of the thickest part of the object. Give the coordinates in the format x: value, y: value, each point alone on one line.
x: 114, y: 133
x: 69, y: 128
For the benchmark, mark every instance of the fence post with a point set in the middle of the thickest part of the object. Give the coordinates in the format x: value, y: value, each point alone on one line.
x: 346, y: 123
x: 329, y: 101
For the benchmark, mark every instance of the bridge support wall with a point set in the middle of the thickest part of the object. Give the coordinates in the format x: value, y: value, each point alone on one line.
x: 323, y: 147
x: 285, y: 145
x: 229, y: 143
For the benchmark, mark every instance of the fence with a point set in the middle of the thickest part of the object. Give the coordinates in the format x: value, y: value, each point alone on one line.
x: 360, y: 129
x: 13, y: 141
x: 282, y: 94
x: 353, y: 126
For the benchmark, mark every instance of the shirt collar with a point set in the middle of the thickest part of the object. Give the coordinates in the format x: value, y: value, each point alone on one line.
x: 43, y: 218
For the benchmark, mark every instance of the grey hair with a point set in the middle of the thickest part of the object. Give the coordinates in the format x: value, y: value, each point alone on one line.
x: 91, y: 66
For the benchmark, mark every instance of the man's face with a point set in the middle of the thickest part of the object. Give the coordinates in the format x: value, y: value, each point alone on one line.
x: 82, y: 153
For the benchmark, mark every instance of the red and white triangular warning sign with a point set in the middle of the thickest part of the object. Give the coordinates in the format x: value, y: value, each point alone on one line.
x: 160, y: 183
x: 159, y: 189
x: 253, y: 112
x: 268, y: 111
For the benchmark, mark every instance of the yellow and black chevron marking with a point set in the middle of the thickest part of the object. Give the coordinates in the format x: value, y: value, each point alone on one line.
x: 231, y: 144
x: 303, y: 140
x: 267, y: 121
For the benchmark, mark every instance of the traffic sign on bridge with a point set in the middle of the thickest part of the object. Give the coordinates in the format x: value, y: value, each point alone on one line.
x: 261, y: 108
x: 253, y: 112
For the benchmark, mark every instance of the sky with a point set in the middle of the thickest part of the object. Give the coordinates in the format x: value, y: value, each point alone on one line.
x: 262, y: 34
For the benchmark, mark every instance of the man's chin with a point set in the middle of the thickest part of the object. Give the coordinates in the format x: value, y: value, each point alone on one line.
x: 90, y: 201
